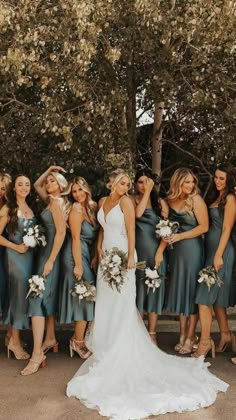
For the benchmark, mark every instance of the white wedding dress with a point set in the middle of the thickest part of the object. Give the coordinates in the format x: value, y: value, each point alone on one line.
x: 128, y: 377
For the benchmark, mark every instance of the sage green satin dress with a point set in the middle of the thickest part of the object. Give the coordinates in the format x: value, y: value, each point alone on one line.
x: 3, y: 282
x: 19, y: 269
x: 71, y: 308
x: 146, y: 244
x: 220, y: 296
x: 46, y: 305
x: 185, y: 261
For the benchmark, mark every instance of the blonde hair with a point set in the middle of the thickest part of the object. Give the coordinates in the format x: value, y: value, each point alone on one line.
x: 6, y: 180
x: 176, y: 183
x: 113, y: 176
x: 62, y: 198
x: 90, y: 204
x: 118, y: 177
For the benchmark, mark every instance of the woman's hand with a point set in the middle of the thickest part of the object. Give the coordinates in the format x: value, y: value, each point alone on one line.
x: 100, y: 254
x: 131, y: 263
x: 21, y: 248
x: 56, y: 168
x: 218, y: 262
x: 148, y: 186
x: 175, y: 237
x: 94, y: 263
x: 158, y: 259
x: 78, y: 272
x: 47, y: 268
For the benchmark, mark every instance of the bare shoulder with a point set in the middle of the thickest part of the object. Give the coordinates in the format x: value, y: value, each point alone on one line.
x: 126, y: 202
x: 77, y: 207
x: 198, y: 201
x: 101, y: 201
x: 4, y: 211
x: 231, y: 200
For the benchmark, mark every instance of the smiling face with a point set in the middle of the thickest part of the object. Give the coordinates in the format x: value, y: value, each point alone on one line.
x: 52, y: 186
x: 220, y: 179
x: 22, y: 186
x: 122, y: 186
x: 188, y: 185
x: 78, y: 193
x: 140, y: 184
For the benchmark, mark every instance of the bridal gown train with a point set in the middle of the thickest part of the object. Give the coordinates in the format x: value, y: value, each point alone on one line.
x: 128, y: 377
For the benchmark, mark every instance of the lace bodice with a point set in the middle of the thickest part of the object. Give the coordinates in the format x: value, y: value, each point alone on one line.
x: 113, y: 224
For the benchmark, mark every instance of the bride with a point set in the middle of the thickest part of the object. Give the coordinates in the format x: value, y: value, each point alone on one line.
x: 128, y: 377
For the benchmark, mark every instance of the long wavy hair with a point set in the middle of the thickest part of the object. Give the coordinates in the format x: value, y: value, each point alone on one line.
x: 90, y: 204
x: 175, y: 189
x: 12, y: 203
x: 117, y: 178
x: 213, y: 193
x: 6, y: 180
x: 154, y: 196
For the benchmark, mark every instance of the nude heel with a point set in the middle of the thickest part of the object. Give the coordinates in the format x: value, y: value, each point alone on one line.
x: 55, y: 348
x: 71, y: 350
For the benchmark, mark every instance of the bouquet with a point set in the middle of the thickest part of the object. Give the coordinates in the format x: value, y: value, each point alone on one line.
x: 84, y: 290
x: 152, y: 279
x: 36, y: 286
x: 166, y: 228
x: 114, y: 267
x: 209, y: 276
x: 34, y: 236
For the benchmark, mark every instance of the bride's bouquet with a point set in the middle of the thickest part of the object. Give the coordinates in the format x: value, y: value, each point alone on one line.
x: 166, y: 228
x: 36, y: 286
x: 152, y: 279
x: 84, y: 291
x: 34, y: 236
x: 209, y: 276
x: 114, y: 267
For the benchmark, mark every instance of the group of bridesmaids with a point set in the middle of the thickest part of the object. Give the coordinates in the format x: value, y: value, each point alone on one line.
x: 73, y: 250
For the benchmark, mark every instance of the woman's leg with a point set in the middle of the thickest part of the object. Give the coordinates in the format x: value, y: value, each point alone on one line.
x: 152, y: 325
x: 225, y: 334
x: 50, y: 337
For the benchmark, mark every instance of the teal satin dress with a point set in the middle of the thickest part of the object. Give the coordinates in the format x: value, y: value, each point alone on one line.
x: 220, y: 296
x: 46, y: 305
x: 71, y: 308
x: 3, y: 283
x: 19, y: 269
x: 185, y: 261
x: 146, y: 244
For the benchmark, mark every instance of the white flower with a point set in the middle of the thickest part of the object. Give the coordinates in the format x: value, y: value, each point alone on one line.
x: 151, y: 274
x: 165, y: 231
x: 81, y: 289
x: 116, y: 259
x: 29, y: 241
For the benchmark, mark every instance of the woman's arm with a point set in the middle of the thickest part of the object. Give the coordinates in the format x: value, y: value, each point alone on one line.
x: 60, y: 226
x: 75, y: 223
x: 228, y: 223
x: 129, y: 216
x: 39, y: 184
x: 4, y: 218
x: 164, y: 209
x: 142, y: 205
x: 201, y: 214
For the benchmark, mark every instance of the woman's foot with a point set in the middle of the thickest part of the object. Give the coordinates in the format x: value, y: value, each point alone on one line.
x: 153, y: 337
x: 48, y: 345
x: 233, y: 360
x: 79, y: 347
x: 204, y: 347
x: 180, y: 344
x: 226, y: 338
x: 34, y: 365
x: 188, y: 346
x: 17, y: 350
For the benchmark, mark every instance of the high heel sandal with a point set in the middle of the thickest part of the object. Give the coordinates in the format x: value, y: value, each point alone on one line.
x: 36, y: 363
x: 53, y: 347
x: 153, y: 337
x: 189, y: 345
x: 226, y: 343
x: 180, y: 344
x: 78, y: 347
x: 19, y: 352
x: 207, y: 346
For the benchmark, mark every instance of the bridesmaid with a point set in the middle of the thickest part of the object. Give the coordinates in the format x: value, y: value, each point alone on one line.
x: 51, y: 187
x: 5, y: 180
x: 220, y: 253
x: 149, y: 208
x: 77, y: 263
x: 16, y: 216
x: 186, y: 258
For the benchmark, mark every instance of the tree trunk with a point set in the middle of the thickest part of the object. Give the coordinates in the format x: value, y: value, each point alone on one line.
x: 131, y: 106
x: 157, y: 138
